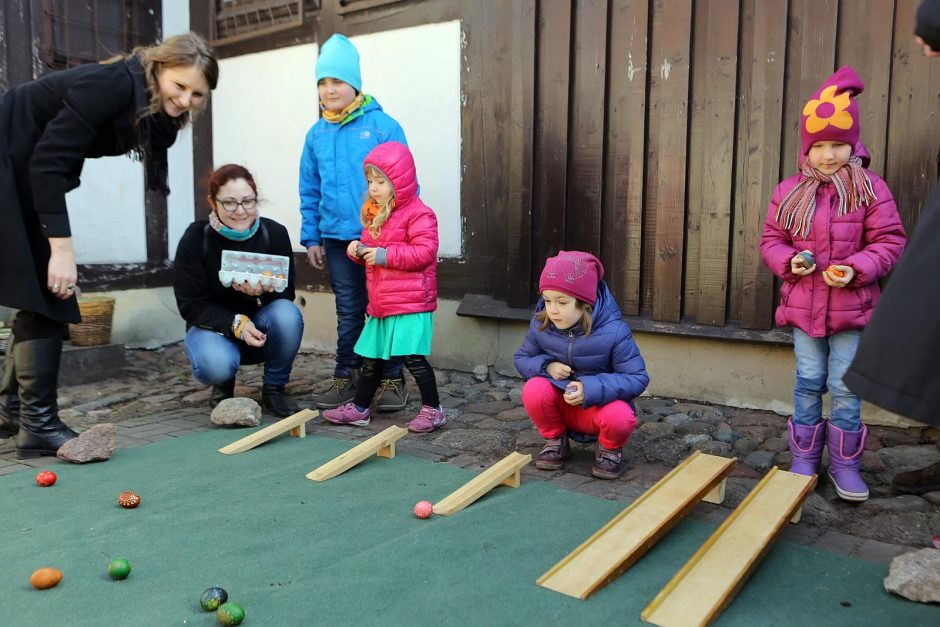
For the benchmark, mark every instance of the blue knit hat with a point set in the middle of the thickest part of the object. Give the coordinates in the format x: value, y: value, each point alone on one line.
x: 339, y: 59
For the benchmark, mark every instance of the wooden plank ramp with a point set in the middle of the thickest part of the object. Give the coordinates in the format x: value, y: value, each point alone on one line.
x: 711, y: 578
x: 504, y: 472
x: 294, y: 424
x: 381, y: 444
x: 628, y: 536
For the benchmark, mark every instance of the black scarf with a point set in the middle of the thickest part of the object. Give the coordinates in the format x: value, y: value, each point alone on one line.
x: 154, y: 132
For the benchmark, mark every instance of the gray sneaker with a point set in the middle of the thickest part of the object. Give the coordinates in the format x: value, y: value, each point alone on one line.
x: 342, y: 390
x: 392, y: 395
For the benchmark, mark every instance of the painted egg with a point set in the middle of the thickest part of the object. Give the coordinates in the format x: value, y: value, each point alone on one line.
x: 128, y: 500
x: 834, y: 271
x: 45, y: 578
x: 808, y: 259
x: 230, y: 614
x: 119, y: 569
x: 212, y: 598
x: 424, y: 509
x: 46, y: 478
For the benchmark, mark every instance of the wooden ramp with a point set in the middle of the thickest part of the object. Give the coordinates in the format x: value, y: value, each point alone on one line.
x: 711, y: 578
x: 503, y: 472
x: 381, y: 444
x: 621, y: 542
x: 294, y: 424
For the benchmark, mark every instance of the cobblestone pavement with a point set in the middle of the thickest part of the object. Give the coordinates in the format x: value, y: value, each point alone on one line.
x: 158, y: 399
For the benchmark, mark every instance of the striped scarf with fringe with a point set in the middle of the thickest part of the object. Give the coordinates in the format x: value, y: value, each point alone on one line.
x: 795, y: 212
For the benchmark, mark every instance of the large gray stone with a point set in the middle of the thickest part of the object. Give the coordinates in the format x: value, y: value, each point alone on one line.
x: 711, y: 447
x: 95, y: 445
x: 677, y: 419
x: 760, y: 460
x: 744, y: 446
x: 478, y: 440
x: 694, y: 439
x: 694, y: 427
x: 775, y: 445
x: 236, y: 412
x: 900, y: 504
x: 655, y: 430
x: 908, y: 457
x: 916, y: 576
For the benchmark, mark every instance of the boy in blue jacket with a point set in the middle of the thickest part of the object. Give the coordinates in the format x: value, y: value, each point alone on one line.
x: 583, y: 368
x: 332, y: 190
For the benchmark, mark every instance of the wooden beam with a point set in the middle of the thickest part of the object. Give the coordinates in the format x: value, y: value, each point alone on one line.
x: 711, y: 578
x: 504, y: 472
x: 293, y: 424
x: 381, y: 444
x: 628, y: 536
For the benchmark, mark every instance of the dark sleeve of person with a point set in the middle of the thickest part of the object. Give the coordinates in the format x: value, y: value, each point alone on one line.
x: 191, y: 286
x: 280, y: 245
x: 927, y: 24
x: 91, y: 103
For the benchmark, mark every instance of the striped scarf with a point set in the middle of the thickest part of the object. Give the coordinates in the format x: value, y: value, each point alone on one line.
x: 795, y: 212
x: 336, y: 118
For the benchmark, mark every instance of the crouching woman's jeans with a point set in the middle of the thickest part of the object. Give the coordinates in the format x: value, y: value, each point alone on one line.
x: 215, y: 358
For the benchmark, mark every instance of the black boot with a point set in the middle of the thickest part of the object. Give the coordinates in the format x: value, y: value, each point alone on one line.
x: 221, y: 392
x: 9, y: 397
x: 277, y: 402
x: 37, y: 372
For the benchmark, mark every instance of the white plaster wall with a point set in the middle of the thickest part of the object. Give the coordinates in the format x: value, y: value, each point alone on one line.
x: 266, y: 103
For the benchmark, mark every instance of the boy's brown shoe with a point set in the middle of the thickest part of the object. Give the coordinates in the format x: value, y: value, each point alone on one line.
x: 342, y: 390
x: 392, y: 395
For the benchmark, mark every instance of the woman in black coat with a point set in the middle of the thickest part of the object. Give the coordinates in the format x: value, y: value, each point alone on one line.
x: 130, y: 104
x: 896, y: 365
x: 246, y: 313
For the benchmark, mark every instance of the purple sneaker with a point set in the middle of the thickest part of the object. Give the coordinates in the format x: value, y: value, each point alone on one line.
x: 348, y: 415
x: 428, y: 420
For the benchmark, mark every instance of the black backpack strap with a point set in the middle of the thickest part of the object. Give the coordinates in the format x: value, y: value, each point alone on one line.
x: 205, y: 240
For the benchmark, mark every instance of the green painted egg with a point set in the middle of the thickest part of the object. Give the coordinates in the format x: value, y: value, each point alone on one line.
x: 119, y: 568
x: 212, y: 598
x: 230, y: 614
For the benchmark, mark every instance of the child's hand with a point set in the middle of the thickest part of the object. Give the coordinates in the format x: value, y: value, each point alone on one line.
x: 798, y: 264
x: 831, y: 275
x: 352, y: 248
x: 558, y: 371
x: 368, y: 255
x: 576, y: 397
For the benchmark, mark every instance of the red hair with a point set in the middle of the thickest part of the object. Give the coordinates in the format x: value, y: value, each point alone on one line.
x: 226, y: 173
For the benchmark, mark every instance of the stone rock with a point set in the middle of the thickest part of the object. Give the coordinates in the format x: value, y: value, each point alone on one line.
x: 693, y: 439
x: 775, y: 445
x: 896, y: 437
x: 760, y: 460
x: 916, y: 576
x: 871, y: 462
x: 474, y: 395
x: 655, y: 430
x: 758, y: 433
x: 899, y: 504
x: 932, y: 497
x: 744, y: 446
x: 461, y: 379
x: 472, y: 418
x: 515, y: 395
x: 677, y: 419
x: 236, y: 412
x: 492, y: 408
x: 452, y: 402
x: 489, y: 440
x: 199, y: 397
x: 694, y: 427
x: 726, y: 434
x: 783, y: 459
x: 819, y: 512
x: 530, y: 437
x: 908, y: 457
x: 481, y: 373
x: 711, y: 447
x: 95, y: 445
x: 510, y: 415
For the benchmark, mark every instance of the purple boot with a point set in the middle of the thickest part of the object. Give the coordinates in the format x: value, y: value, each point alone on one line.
x: 806, y: 446
x: 845, y: 458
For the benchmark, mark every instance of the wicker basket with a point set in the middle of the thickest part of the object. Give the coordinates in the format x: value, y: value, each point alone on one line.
x: 95, y: 327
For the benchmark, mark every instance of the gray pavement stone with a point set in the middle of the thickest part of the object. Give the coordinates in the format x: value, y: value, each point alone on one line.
x: 838, y: 543
x: 879, y: 552
x: 9, y: 470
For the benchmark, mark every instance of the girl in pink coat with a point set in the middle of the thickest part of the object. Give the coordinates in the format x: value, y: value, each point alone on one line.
x: 398, y: 247
x: 832, y: 231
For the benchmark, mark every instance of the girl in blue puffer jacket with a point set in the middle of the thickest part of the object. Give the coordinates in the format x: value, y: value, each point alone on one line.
x: 583, y: 368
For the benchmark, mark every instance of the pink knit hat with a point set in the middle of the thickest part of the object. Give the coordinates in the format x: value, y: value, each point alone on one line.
x: 832, y: 113
x: 574, y: 273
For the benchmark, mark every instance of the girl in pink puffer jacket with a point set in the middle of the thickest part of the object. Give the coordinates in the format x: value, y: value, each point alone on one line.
x: 832, y: 231
x: 398, y: 247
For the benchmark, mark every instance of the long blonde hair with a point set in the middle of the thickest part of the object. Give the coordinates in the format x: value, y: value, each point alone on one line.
x: 375, y: 224
x: 188, y: 49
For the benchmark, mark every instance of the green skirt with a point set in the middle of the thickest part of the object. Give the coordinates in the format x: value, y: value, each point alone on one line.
x: 405, y: 334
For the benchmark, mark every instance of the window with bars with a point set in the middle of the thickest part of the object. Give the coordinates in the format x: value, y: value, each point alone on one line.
x: 238, y: 20
x: 85, y: 32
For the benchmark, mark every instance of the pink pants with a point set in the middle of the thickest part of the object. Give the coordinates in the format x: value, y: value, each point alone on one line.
x: 613, y: 423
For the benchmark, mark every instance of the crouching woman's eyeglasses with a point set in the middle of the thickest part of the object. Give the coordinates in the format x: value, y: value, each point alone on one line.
x: 231, y: 205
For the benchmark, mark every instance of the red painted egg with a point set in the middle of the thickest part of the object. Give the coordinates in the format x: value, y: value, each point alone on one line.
x: 128, y: 500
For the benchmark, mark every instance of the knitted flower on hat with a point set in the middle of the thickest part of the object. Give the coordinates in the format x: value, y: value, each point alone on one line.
x: 832, y: 113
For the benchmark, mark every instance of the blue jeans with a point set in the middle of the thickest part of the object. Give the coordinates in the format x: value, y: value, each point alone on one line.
x: 215, y: 358
x: 821, y: 362
x: 348, y: 281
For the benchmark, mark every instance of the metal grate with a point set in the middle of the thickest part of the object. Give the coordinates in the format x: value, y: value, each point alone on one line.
x: 236, y: 20
x: 86, y: 32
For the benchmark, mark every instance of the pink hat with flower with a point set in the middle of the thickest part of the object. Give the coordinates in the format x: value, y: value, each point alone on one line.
x: 573, y: 273
x: 832, y: 113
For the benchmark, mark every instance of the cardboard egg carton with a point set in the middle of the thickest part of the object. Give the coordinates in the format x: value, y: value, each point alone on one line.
x: 268, y: 271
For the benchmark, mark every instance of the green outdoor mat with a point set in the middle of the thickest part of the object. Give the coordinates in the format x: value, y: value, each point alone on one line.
x: 349, y: 551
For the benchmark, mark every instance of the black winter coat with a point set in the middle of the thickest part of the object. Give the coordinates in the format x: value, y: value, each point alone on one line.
x: 202, y: 299
x: 897, y: 365
x: 48, y: 127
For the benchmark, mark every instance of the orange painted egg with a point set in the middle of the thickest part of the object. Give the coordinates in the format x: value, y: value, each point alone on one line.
x: 45, y: 578
x: 128, y: 500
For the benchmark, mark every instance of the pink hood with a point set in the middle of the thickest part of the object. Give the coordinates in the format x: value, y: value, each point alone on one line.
x: 869, y: 239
